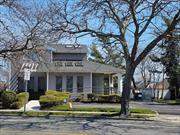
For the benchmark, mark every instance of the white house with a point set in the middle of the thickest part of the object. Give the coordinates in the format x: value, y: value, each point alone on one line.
x: 65, y: 68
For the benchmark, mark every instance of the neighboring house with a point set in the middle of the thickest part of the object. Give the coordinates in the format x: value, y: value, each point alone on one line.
x: 160, y: 89
x: 65, y: 68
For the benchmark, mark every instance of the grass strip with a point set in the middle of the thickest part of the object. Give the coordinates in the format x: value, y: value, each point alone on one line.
x: 132, y: 110
x: 70, y: 114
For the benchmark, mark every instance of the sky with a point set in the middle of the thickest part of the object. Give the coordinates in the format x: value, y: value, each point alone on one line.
x: 88, y: 40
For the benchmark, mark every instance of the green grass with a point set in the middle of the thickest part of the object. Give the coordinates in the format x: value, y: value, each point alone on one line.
x: 69, y: 114
x: 172, y: 102
x: 36, y: 114
x: 142, y: 111
x: 140, y: 116
x: 132, y: 110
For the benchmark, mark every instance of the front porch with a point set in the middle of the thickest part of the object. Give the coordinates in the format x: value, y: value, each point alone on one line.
x: 75, y: 83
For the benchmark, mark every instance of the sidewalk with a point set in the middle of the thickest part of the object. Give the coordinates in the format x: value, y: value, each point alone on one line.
x: 32, y: 105
x: 167, y: 118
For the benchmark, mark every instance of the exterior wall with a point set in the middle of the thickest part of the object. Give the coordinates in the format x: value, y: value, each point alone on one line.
x: 98, y: 83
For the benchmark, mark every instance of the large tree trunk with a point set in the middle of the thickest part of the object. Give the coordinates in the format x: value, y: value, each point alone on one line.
x: 126, y: 91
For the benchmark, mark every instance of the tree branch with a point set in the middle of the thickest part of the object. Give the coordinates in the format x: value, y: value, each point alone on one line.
x: 152, y: 44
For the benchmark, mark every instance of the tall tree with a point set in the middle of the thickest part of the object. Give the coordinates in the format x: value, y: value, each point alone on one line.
x: 169, y: 57
x: 127, y: 23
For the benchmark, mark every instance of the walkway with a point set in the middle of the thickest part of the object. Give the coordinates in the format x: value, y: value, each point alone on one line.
x: 32, y: 105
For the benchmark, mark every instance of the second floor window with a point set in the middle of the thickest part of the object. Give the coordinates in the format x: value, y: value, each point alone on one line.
x: 69, y: 56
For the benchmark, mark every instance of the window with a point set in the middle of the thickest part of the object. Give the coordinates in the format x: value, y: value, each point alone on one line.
x: 58, y: 64
x: 68, y: 64
x: 79, y: 64
x: 80, y: 82
x: 69, y: 83
x: 59, y: 83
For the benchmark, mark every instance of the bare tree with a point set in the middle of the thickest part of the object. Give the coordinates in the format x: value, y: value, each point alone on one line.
x: 20, y: 28
x: 145, y: 68
x: 128, y: 23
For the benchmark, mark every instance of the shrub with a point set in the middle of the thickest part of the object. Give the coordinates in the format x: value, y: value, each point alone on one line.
x: 1, y: 91
x: 92, y: 97
x: 53, y: 98
x: 99, y: 98
x: 109, y: 98
x: 20, y: 100
x: 57, y: 93
x: 8, y: 98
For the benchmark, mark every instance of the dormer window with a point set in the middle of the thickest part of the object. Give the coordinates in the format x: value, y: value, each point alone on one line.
x: 59, y: 63
x: 78, y: 64
x: 69, y: 63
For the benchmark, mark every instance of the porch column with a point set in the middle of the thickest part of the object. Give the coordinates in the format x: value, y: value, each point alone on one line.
x: 91, y: 83
x: 119, y: 83
x: 47, y: 81
x: 64, y: 83
x: 110, y: 84
x: 74, y: 83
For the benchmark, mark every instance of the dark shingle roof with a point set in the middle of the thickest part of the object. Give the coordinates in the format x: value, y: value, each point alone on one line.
x: 87, y: 67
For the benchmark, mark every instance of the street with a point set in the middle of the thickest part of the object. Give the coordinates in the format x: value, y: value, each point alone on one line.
x: 16, y: 125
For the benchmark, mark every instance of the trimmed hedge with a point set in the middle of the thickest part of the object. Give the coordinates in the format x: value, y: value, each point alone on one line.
x: 20, y: 100
x: 99, y: 98
x: 11, y: 100
x: 53, y: 98
x: 8, y: 98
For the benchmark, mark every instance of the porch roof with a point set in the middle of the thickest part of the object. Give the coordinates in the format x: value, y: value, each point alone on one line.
x: 87, y: 67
